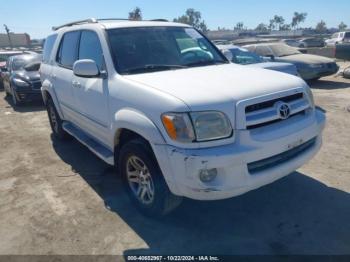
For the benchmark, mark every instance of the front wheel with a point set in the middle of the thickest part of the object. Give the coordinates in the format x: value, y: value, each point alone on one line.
x: 144, y: 180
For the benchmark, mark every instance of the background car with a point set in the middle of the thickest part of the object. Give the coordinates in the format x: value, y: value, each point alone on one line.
x: 4, y: 56
x: 338, y: 38
x: 311, y: 42
x: 242, y: 56
x: 291, y: 42
x: 22, y: 79
x: 310, y: 67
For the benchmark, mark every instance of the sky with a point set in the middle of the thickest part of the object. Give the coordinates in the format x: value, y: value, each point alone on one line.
x: 36, y: 17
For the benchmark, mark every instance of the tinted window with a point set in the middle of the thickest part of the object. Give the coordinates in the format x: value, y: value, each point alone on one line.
x: 347, y: 34
x: 90, y: 47
x: 139, y: 50
x: 50, y: 41
x: 67, y: 54
x: 19, y: 62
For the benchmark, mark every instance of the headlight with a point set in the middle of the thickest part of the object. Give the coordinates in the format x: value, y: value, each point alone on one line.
x: 205, y: 126
x: 20, y: 82
x: 211, y: 125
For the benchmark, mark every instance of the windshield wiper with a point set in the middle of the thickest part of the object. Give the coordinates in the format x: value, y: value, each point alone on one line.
x: 205, y: 62
x: 151, y: 67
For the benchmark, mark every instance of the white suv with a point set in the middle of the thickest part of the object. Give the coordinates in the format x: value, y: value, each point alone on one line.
x: 338, y: 38
x: 159, y: 101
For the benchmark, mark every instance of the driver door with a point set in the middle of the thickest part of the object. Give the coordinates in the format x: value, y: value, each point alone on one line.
x: 91, y: 94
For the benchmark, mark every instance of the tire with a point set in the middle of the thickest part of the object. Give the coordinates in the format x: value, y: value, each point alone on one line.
x: 56, y: 121
x: 15, y: 99
x: 142, y: 176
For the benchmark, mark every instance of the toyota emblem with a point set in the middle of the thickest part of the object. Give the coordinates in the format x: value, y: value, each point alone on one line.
x: 283, y: 110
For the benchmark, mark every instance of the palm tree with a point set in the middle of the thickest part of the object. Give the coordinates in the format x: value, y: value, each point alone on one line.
x: 298, y: 18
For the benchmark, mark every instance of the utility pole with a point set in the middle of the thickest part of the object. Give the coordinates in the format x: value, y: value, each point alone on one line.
x: 8, y: 35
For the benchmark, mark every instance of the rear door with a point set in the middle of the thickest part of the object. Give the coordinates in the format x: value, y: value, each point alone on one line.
x: 47, y: 61
x: 92, y: 93
x: 62, y: 74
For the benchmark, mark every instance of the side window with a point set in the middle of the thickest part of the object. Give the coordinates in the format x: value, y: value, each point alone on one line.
x: 68, y: 52
x: 90, y: 48
x: 49, y: 43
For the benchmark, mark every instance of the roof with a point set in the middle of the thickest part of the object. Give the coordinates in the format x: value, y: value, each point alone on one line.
x: 7, y: 52
x: 117, y: 23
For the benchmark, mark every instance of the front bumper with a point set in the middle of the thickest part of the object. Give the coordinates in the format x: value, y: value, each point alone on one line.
x: 181, y: 167
x: 28, y: 94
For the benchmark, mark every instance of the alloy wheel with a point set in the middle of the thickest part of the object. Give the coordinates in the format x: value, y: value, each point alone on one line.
x: 140, y: 180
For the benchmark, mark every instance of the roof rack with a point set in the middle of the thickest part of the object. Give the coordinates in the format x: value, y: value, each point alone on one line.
x: 79, y: 22
x: 94, y: 20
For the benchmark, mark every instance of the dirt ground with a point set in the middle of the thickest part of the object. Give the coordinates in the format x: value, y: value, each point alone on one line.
x: 58, y: 198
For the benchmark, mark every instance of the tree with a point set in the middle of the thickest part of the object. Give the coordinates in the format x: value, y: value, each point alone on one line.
x: 342, y: 26
x: 321, y: 27
x: 272, y: 25
x: 298, y: 18
x: 285, y: 27
x: 279, y: 20
x: 193, y: 18
x: 135, y: 14
x: 261, y: 27
x: 239, y: 26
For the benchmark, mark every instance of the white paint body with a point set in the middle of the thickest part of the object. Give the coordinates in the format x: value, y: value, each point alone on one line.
x: 103, y: 107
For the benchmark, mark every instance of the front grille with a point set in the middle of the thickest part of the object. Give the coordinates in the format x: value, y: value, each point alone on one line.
x: 301, y: 113
x: 280, y: 159
x: 271, y: 103
x: 266, y: 112
x: 36, y: 85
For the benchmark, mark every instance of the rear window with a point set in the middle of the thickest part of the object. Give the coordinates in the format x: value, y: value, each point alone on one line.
x: 68, y: 52
x: 49, y: 43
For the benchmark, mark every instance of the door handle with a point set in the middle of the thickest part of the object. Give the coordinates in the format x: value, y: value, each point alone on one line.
x: 76, y: 84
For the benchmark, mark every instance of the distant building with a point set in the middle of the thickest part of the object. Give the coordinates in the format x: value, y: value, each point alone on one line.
x: 17, y: 40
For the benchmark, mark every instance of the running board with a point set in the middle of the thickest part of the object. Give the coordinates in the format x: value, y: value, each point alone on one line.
x: 100, y: 150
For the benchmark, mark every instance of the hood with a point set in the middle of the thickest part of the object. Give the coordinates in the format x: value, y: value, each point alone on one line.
x: 200, y: 86
x: 305, y: 58
x: 28, y: 75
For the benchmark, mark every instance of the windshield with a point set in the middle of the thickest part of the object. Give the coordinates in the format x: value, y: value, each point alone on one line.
x: 147, y: 49
x: 244, y: 57
x: 20, y: 62
x: 283, y: 50
x: 5, y: 56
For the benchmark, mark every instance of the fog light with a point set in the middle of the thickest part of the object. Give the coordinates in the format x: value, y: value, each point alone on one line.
x: 208, y: 175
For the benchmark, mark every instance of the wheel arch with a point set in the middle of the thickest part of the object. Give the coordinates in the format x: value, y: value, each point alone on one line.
x: 129, y: 123
x: 48, y: 92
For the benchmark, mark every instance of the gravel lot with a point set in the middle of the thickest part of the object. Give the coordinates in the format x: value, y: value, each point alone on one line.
x: 58, y: 198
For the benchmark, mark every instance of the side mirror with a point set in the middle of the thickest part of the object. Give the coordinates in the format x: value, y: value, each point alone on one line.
x: 86, y: 68
x: 227, y: 53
